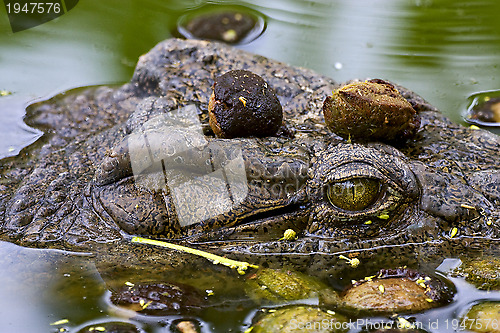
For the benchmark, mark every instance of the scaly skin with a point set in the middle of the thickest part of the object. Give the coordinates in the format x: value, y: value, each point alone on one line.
x: 75, y: 188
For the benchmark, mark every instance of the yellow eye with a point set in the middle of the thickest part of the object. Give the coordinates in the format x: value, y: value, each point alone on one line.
x: 354, y: 194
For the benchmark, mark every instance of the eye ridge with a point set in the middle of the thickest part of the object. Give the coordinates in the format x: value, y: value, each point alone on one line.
x: 355, y: 194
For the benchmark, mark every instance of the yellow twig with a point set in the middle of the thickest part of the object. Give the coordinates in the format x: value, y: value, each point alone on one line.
x: 241, y: 266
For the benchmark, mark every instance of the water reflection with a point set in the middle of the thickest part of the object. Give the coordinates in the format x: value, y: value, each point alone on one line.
x: 440, y: 33
x: 454, y: 43
x: 41, y: 287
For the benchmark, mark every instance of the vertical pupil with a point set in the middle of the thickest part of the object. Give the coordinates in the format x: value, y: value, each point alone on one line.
x: 354, y: 194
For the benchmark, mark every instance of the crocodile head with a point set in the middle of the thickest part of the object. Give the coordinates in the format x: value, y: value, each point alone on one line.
x: 240, y: 195
x: 141, y: 160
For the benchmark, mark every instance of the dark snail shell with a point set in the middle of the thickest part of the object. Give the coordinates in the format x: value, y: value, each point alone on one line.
x: 243, y: 105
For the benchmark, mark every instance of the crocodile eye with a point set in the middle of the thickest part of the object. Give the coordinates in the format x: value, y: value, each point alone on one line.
x: 354, y: 194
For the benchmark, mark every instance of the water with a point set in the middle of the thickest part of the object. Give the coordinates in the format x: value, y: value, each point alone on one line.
x: 50, y: 290
x: 41, y: 287
x: 445, y: 50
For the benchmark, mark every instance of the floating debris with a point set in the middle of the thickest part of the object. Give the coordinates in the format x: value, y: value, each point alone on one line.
x: 240, y: 266
x: 403, y: 323
x: 354, y: 262
x: 381, y: 288
x: 60, y: 322
x: 289, y: 235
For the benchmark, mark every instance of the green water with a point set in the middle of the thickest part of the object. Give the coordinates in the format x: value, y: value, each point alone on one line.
x: 445, y: 50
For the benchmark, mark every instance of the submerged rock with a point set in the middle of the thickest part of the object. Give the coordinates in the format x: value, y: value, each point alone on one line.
x: 483, y: 273
x: 111, y: 327
x: 395, y: 291
x: 483, y: 317
x: 305, y: 319
x: 279, y: 285
x: 158, y: 299
x: 186, y: 326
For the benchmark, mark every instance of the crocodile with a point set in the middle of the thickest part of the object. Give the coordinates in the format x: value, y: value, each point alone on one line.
x: 141, y: 159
